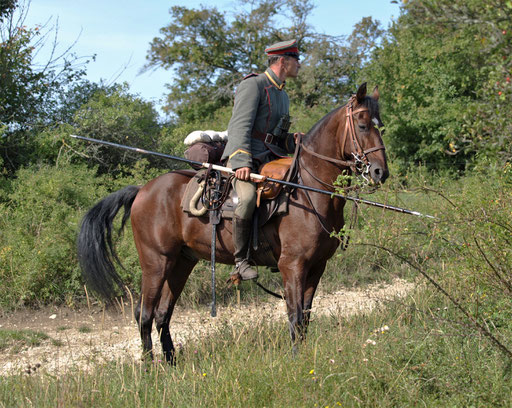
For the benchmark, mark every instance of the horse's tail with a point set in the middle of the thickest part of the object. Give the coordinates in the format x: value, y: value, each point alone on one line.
x: 96, y: 252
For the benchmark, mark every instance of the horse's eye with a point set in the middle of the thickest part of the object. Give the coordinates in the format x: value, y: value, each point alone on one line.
x: 363, y: 127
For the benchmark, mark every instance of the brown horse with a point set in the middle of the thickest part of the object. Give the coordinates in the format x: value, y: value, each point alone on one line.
x: 170, y: 242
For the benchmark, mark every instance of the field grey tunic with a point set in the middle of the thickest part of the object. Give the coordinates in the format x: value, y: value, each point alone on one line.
x: 260, y: 101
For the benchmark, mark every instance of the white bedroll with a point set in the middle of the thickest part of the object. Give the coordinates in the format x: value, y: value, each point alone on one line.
x: 205, y: 136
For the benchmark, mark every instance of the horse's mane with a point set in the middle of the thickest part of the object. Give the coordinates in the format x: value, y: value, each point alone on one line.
x: 371, y: 104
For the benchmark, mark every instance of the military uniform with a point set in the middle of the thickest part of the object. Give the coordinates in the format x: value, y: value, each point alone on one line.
x: 260, y: 103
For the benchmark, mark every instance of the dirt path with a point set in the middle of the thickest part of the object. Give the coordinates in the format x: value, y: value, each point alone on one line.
x: 88, y: 337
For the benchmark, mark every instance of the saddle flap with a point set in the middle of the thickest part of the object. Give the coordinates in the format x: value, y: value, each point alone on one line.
x: 276, y: 169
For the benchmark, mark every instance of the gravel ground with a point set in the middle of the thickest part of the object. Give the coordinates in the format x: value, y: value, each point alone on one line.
x: 84, y: 338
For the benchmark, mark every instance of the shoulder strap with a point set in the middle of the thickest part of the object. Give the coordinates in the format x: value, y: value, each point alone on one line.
x: 253, y: 74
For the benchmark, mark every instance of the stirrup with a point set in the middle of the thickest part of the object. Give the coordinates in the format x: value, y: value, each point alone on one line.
x: 245, y: 270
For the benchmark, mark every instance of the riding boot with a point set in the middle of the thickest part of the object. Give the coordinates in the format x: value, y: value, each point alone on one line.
x: 241, y: 239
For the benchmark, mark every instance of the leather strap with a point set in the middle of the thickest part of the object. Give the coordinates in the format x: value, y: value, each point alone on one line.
x: 345, y: 163
x: 266, y: 138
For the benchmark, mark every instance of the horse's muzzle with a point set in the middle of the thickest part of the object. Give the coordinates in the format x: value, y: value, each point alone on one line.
x: 378, y: 173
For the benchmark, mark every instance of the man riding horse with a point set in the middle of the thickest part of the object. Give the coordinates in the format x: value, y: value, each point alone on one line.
x: 258, y: 133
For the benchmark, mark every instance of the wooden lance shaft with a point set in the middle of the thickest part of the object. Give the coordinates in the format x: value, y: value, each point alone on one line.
x: 256, y: 177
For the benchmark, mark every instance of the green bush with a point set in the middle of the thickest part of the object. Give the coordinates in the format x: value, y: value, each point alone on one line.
x: 38, y: 226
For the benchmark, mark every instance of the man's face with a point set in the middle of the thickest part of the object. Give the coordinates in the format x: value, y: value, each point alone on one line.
x: 291, y: 66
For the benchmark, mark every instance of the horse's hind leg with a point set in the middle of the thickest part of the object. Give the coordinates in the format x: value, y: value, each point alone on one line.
x: 154, y: 272
x: 171, y: 291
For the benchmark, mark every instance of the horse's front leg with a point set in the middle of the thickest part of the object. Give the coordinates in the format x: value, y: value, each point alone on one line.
x: 293, y: 275
x: 312, y: 280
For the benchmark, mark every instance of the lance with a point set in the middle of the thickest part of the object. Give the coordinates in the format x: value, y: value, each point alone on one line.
x: 257, y: 177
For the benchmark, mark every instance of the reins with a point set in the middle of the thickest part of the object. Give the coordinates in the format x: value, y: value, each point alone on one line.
x: 349, y: 129
x: 360, y: 158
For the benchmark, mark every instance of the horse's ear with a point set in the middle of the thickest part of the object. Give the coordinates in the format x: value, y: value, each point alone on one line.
x: 361, y: 93
x: 376, y: 93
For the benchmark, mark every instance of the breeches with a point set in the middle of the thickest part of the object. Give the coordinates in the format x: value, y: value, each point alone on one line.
x: 246, y: 192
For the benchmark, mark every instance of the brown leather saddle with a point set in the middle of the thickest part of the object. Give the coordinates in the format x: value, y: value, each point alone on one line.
x: 271, y: 198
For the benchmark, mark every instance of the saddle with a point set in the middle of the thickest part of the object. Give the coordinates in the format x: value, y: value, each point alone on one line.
x: 276, y: 169
x: 271, y: 198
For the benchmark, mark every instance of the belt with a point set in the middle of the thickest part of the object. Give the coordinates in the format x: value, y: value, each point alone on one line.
x: 265, y: 137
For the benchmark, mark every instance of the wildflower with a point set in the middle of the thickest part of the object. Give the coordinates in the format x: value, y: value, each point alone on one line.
x: 372, y: 342
x: 312, y: 371
x: 365, y: 360
x: 204, y: 374
x: 331, y: 361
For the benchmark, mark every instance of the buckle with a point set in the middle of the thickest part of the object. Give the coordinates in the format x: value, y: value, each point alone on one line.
x: 267, y: 138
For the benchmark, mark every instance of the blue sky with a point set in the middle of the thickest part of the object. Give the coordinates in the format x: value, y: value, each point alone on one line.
x: 119, y: 32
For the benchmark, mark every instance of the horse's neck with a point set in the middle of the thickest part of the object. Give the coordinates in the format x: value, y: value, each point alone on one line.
x: 325, y: 139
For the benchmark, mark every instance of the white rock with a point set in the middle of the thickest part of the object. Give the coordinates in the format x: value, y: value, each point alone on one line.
x: 53, y: 316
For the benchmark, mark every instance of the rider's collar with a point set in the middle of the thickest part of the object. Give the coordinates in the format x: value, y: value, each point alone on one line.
x: 271, y: 75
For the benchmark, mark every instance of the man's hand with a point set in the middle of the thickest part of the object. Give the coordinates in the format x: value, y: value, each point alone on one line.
x: 243, y: 173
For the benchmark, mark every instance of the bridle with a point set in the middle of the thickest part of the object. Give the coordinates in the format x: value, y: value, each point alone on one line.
x: 360, y: 164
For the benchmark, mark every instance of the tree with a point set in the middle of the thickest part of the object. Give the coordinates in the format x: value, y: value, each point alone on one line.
x: 210, y: 52
x: 6, y: 6
x: 331, y: 66
x: 113, y: 114
x: 29, y: 95
x: 434, y: 68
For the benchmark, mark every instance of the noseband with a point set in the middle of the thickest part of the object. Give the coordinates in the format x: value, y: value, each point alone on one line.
x: 360, y: 164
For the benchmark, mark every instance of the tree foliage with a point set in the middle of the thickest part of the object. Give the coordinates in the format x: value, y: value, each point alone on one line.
x: 210, y: 52
x: 113, y: 114
x: 30, y: 94
x: 438, y: 66
x: 6, y: 6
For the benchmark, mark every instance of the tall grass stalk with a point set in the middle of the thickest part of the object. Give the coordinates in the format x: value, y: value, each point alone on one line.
x: 394, y: 356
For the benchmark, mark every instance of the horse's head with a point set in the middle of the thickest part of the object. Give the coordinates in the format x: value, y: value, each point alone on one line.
x: 360, y: 139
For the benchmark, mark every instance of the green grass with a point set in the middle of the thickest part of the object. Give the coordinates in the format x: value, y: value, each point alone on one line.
x: 420, y: 361
x: 19, y: 339
x: 84, y: 329
x: 433, y: 354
